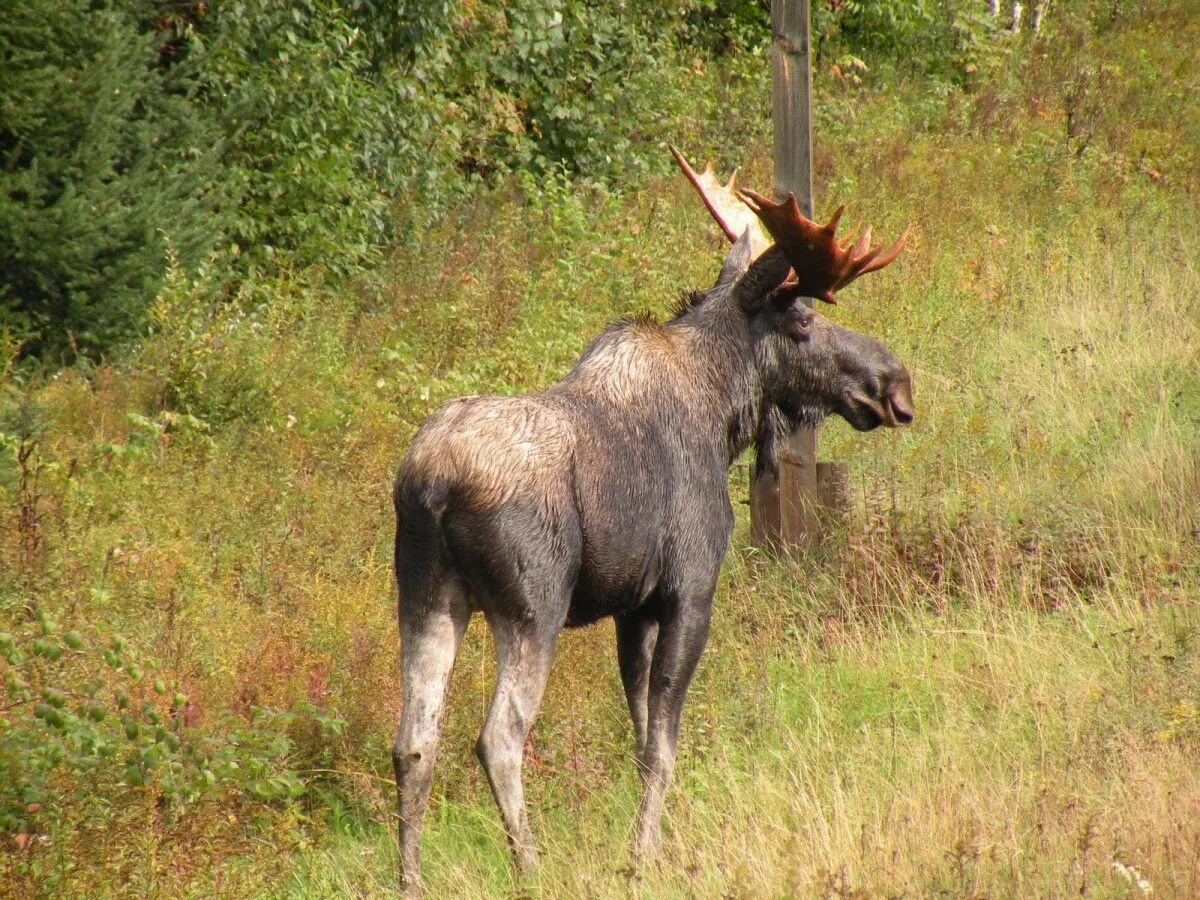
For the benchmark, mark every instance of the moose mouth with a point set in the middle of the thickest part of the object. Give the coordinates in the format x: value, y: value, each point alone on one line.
x: 865, y: 413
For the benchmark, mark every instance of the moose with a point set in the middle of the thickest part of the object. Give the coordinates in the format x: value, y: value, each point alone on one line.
x: 607, y: 496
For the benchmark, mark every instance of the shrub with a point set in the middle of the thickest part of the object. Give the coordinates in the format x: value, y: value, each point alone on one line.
x: 313, y: 136
x: 947, y: 40
x: 88, y: 719
x: 582, y: 87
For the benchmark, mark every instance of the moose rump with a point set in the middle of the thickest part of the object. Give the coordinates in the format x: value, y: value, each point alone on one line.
x: 485, y: 520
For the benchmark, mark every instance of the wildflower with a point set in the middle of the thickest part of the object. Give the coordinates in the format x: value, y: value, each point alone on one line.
x: 1132, y: 875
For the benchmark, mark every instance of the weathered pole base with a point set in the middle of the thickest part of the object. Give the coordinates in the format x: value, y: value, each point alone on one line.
x: 793, y: 511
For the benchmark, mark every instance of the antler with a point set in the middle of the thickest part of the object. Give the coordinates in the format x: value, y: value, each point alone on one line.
x: 820, y: 264
x: 722, y: 200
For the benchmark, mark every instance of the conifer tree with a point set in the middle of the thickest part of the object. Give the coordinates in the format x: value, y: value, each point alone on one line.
x: 105, y: 165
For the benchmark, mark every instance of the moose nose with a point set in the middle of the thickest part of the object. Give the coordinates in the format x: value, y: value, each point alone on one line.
x: 900, y: 401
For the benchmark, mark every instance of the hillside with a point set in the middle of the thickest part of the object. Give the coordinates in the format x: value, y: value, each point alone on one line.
x: 986, y: 682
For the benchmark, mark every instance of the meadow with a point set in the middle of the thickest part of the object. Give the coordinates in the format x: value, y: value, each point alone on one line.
x: 984, y: 682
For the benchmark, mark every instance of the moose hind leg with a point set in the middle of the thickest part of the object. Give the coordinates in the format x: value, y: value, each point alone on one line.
x: 681, y: 639
x: 636, y: 636
x: 429, y: 644
x: 524, y: 655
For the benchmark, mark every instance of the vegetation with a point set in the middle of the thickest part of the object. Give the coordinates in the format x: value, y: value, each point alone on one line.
x: 251, y: 138
x: 102, y: 169
x: 984, y: 681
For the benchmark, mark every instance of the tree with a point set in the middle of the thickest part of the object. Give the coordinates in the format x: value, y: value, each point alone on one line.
x: 105, y: 164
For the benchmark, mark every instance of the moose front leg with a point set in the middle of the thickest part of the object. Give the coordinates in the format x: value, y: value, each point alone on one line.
x: 682, y: 634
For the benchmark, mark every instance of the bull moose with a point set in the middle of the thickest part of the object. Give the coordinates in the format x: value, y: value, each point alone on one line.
x: 607, y: 495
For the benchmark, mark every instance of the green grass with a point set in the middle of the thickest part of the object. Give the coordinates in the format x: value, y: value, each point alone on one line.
x: 984, y: 682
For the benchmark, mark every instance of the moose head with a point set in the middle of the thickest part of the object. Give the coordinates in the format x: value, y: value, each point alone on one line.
x: 808, y: 365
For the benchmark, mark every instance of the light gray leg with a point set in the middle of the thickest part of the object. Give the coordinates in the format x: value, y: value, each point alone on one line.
x: 681, y: 640
x: 636, y: 636
x: 429, y: 644
x: 524, y: 658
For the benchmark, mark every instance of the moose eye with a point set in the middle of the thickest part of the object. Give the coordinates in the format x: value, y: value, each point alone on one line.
x: 799, y: 322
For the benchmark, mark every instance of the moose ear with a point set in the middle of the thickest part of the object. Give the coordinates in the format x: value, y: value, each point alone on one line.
x: 762, y: 277
x: 737, y: 260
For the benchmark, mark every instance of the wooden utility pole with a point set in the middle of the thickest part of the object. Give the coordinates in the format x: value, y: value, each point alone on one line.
x: 791, y: 511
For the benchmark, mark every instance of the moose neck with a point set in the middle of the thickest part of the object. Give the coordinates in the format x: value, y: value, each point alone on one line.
x: 714, y: 335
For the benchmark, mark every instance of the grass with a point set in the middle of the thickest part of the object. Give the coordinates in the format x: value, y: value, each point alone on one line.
x: 984, y: 682
x: 986, y: 752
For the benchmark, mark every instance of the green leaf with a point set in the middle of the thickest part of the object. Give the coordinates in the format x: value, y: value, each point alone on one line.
x: 151, y: 757
x: 46, y: 649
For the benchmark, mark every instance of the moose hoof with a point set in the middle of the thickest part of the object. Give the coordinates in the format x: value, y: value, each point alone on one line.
x: 410, y: 886
x: 646, y: 855
x: 527, y: 861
